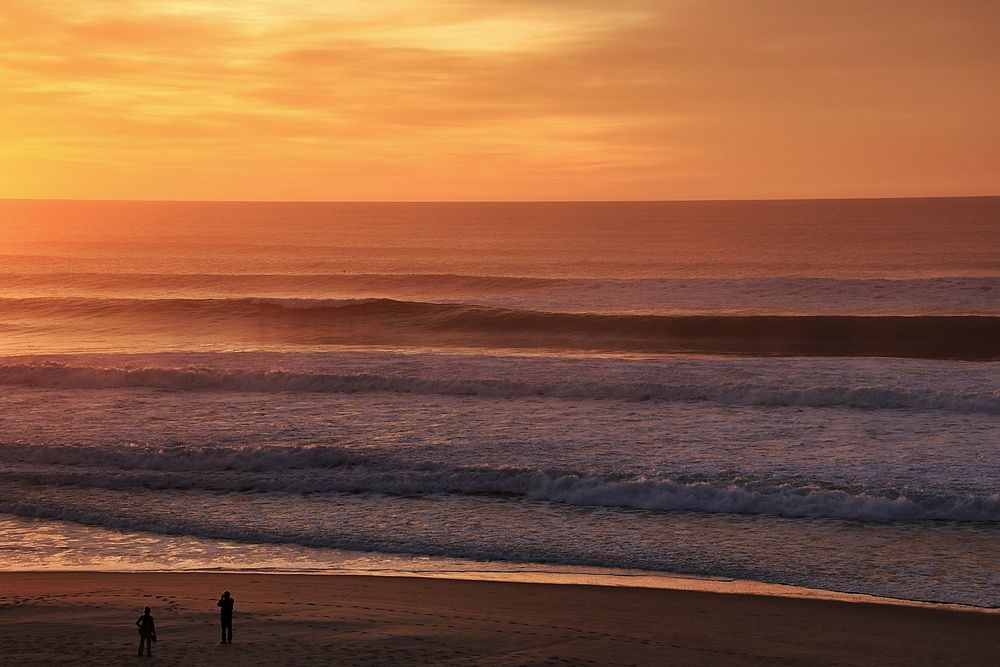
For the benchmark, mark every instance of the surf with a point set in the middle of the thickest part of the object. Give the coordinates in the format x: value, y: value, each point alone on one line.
x: 336, y: 470
x: 482, y: 381
x: 380, y: 321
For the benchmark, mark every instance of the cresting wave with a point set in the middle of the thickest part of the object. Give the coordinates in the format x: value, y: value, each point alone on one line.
x: 414, y: 323
x: 324, y: 469
x: 934, y: 290
x: 83, y: 377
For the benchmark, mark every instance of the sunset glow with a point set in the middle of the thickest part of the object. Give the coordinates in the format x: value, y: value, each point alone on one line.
x: 550, y: 99
x: 350, y: 331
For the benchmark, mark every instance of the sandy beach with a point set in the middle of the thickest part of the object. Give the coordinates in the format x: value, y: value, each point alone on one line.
x: 84, y: 618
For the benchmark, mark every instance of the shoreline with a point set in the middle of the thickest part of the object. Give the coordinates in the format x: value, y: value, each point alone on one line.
x: 639, y: 579
x: 300, y: 619
x: 33, y: 548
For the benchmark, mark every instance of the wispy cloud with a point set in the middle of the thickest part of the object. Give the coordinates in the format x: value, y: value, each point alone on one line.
x: 470, y: 99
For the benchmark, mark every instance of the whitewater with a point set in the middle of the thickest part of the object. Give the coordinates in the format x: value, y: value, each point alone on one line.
x: 803, y: 392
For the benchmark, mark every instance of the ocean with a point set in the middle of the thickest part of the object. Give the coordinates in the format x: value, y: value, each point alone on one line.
x: 791, y: 392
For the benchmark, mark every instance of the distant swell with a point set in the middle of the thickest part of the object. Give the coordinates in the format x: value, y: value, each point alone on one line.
x: 285, y: 282
x: 320, y: 469
x: 83, y: 377
x: 390, y: 322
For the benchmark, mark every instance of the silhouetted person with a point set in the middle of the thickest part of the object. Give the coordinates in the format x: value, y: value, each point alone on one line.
x: 225, y: 604
x: 147, y: 632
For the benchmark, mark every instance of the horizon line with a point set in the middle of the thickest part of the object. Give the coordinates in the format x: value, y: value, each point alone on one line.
x: 490, y: 201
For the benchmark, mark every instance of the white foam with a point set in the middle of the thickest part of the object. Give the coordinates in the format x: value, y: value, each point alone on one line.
x: 714, y: 388
x: 324, y: 469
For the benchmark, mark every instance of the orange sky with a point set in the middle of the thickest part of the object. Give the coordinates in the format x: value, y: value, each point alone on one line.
x: 498, y: 99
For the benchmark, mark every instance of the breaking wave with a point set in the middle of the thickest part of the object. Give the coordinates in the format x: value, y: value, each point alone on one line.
x: 325, y: 469
x: 392, y: 322
x: 84, y: 377
x: 954, y: 295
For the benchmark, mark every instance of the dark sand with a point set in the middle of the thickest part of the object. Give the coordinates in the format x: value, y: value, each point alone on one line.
x: 83, y: 618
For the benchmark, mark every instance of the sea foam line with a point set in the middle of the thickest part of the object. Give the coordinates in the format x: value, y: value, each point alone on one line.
x: 323, y: 469
x: 64, y: 376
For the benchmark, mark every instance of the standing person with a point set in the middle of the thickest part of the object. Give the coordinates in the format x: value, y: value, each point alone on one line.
x: 225, y: 605
x: 147, y: 632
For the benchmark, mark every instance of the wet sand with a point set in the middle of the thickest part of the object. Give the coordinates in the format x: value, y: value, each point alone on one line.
x: 86, y: 618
